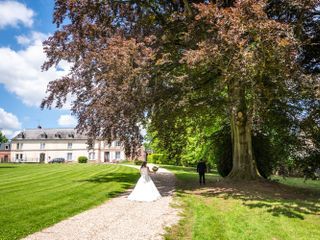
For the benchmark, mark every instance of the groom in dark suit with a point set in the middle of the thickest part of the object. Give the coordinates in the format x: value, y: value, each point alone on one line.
x: 201, y: 169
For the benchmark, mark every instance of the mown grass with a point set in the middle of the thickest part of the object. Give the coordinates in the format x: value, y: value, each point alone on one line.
x: 299, y: 182
x: 244, y: 210
x: 190, y: 175
x: 33, y: 197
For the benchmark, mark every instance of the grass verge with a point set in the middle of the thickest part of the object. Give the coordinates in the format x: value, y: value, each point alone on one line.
x: 244, y: 210
x: 33, y: 197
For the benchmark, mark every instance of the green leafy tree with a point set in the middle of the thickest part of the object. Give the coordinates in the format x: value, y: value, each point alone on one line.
x: 165, y: 62
x: 3, y: 138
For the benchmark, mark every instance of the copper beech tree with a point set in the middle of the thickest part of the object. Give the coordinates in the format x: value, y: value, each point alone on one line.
x: 138, y: 62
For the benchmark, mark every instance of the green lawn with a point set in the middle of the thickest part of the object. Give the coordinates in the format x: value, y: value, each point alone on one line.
x: 245, y: 210
x: 33, y: 197
x: 300, y: 183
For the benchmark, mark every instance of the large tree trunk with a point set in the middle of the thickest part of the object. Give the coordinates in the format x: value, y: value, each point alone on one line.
x: 244, y: 165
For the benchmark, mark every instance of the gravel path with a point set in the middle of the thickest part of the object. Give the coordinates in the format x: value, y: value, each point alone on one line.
x: 119, y: 218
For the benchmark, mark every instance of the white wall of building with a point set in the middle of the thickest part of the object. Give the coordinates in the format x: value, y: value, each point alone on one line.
x: 69, y: 149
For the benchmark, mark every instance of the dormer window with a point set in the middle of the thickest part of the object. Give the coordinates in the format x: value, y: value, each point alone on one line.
x: 118, y: 143
x: 57, y: 135
x: 44, y: 135
x: 7, y: 147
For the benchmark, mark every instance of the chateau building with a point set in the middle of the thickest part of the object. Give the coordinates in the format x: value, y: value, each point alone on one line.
x: 42, y: 145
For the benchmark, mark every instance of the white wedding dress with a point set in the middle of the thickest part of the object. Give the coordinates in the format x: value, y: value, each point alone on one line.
x: 145, y: 190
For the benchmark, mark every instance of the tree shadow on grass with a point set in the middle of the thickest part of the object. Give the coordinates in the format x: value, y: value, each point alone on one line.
x: 275, y: 198
x: 125, y: 178
x: 7, y: 167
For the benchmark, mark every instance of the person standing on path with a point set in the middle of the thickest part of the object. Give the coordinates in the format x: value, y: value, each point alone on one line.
x: 201, y: 169
x: 145, y: 190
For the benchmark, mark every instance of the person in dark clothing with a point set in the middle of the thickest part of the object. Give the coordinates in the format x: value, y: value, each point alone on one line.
x: 201, y: 169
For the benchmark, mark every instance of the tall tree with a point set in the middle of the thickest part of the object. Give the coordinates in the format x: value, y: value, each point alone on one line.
x: 3, y: 138
x: 162, y: 61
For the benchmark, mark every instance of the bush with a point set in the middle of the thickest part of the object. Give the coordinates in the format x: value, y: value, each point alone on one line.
x: 82, y: 159
x: 137, y: 162
x: 158, y: 158
x: 310, y: 165
x: 263, y: 153
x: 223, y: 152
x: 262, y: 149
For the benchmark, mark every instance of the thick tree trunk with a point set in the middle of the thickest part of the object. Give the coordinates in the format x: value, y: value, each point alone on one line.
x: 244, y: 165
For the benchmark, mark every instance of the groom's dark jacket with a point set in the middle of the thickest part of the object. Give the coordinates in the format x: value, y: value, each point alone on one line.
x: 201, y: 167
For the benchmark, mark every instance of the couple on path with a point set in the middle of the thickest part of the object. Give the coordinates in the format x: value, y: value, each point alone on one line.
x: 146, y: 191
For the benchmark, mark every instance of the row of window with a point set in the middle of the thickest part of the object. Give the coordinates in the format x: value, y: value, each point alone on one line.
x: 116, y: 144
x: 43, y: 145
x: 92, y: 156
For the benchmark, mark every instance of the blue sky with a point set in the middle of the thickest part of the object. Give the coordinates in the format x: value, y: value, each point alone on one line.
x: 24, y: 24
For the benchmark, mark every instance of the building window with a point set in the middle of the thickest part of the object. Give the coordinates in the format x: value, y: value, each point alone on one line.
x: 17, y: 156
x: 117, y: 155
x: 69, y: 145
x: 92, y: 156
x: 19, y: 146
x: 118, y: 143
x: 69, y: 156
x: 42, y: 145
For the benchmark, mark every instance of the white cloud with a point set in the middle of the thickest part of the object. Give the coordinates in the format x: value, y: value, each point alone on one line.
x: 67, y: 121
x: 13, y: 13
x: 20, y: 71
x: 8, y: 122
x: 7, y: 132
x: 34, y: 37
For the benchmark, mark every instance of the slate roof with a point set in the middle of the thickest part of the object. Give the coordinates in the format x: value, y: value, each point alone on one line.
x: 3, y: 146
x: 49, y: 133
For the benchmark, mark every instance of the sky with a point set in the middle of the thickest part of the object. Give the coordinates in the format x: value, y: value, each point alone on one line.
x: 24, y: 25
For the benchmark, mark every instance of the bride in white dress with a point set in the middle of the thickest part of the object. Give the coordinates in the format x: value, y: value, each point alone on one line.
x: 145, y: 190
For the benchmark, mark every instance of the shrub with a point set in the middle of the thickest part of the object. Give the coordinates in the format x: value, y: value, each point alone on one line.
x: 138, y: 162
x: 223, y: 152
x: 263, y: 153
x: 155, y: 158
x: 82, y: 159
x: 310, y: 165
